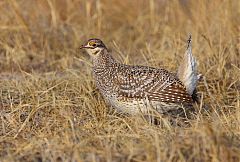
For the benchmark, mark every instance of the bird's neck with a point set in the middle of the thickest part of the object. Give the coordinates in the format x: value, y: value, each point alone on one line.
x: 103, y: 59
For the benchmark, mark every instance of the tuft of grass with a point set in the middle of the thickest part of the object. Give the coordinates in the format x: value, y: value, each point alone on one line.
x: 50, y: 111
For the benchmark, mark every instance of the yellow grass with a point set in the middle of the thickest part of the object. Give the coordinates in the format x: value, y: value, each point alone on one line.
x: 50, y: 112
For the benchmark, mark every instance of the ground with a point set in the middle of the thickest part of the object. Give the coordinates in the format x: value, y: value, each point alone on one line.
x: 49, y: 108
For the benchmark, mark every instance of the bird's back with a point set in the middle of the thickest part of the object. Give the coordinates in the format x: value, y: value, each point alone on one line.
x: 126, y: 86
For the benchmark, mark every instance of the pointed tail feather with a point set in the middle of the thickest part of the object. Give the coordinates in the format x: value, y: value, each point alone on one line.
x: 187, y: 71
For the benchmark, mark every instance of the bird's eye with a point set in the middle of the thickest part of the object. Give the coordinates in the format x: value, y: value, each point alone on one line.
x: 93, y: 44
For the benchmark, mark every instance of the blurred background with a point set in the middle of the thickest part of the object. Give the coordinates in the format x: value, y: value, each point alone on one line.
x: 43, y: 35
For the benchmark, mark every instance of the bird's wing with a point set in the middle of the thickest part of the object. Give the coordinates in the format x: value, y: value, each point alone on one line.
x: 153, y: 84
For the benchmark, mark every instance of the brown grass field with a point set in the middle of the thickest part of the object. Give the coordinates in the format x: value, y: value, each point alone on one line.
x: 49, y: 110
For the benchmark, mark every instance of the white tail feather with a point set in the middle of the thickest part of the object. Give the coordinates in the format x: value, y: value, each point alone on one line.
x: 187, y: 71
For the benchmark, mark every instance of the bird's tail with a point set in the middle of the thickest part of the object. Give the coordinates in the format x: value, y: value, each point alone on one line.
x: 187, y: 71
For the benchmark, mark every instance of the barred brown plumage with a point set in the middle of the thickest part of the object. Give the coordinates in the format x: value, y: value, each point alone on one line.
x: 132, y: 88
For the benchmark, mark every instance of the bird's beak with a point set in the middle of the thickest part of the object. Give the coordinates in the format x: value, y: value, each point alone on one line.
x: 82, y: 46
x: 85, y: 46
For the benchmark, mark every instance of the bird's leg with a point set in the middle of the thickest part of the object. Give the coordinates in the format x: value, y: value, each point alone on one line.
x: 95, y: 91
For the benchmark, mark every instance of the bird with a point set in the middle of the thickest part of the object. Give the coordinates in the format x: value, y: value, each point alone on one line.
x: 135, y: 89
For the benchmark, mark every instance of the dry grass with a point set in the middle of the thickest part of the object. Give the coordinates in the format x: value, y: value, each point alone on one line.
x: 48, y: 110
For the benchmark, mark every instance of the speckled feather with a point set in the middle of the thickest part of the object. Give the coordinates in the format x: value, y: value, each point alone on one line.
x: 130, y: 88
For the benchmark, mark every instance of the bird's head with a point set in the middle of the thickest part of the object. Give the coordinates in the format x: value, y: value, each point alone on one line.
x: 93, y: 46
